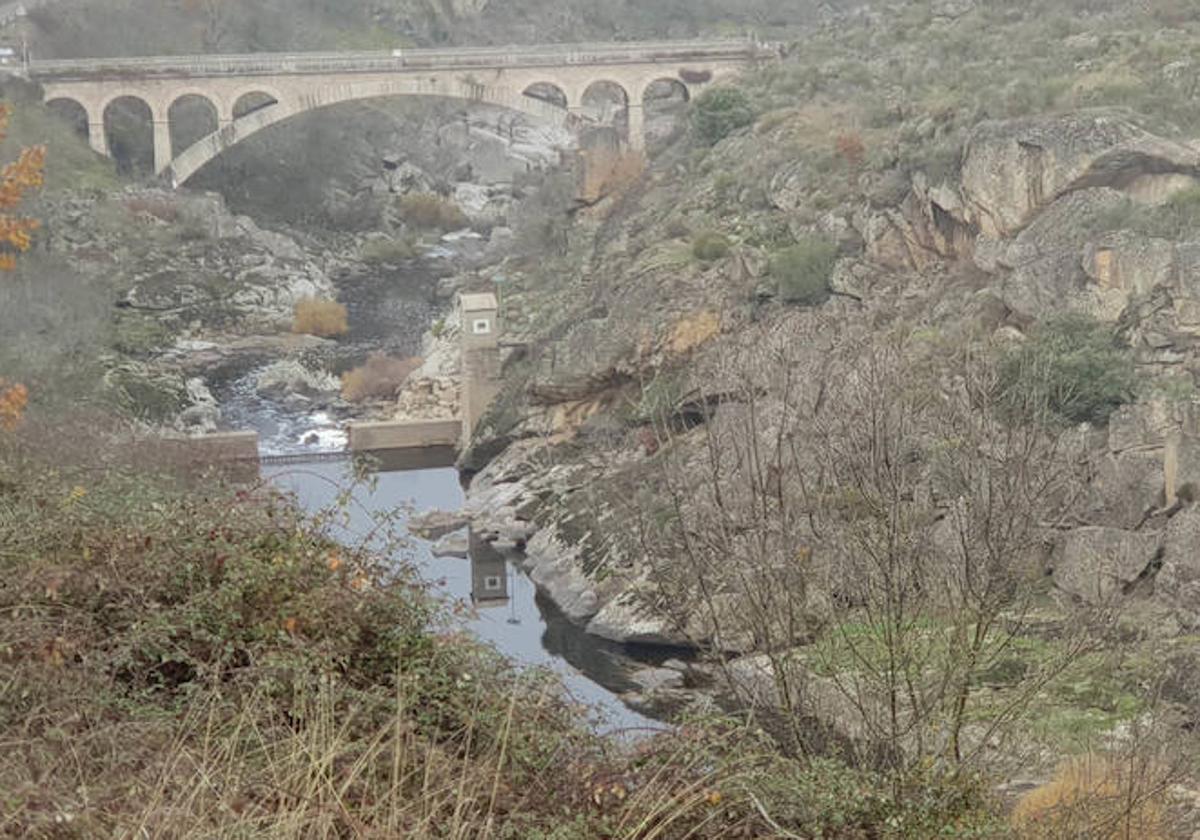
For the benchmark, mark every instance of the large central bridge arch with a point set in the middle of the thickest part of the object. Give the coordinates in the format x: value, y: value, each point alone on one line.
x: 188, y: 162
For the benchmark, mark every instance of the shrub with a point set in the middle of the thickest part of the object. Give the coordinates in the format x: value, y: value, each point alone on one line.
x: 850, y: 148
x: 158, y: 207
x: 380, y: 378
x: 802, y: 271
x: 1180, y: 215
x: 1073, y: 366
x: 1091, y: 797
x: 677, y: 228
x: 324, y: 318
x: 426, y: 211
x: 719, y: 112
x: 13, y: 398
x: 626, y: 171
x: 709, y: 246
x: 389, y: 250
x: 726, y: 188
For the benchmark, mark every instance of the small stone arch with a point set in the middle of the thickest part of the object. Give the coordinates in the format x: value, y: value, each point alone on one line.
x: 246, y: 102
x: 71, y: 111
x: 548, y: 92
x: 605, y: 91
x: 664, y: 107
x: 192, y: 117
x: 129, y: 131
x: 605, y: 104
x: 666, y: 88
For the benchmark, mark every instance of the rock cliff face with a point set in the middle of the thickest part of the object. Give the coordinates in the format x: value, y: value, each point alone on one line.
x: 1013, y: 170
x: 1048, y: 215
x: 184, y: 287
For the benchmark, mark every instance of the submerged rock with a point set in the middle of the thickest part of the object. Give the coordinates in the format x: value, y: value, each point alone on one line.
x: 457, y: 544
x: 435, y: 524
x: 656, y: 679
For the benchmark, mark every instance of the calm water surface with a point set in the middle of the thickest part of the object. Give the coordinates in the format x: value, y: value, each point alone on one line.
x: 525, y: 626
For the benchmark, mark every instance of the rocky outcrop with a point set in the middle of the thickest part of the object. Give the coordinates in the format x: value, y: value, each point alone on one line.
x: 1178, y: 582
x: 1014, y: 169
x: 1125, y: 265
x: 203, y: 415
x: 1094, y: 564
x: 289, y: 376
x: 556, y: 567
x: 627, y: 619
x: 929, y: 224
x: 435, y: 524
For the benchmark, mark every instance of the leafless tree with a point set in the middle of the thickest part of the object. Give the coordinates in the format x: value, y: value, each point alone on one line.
x: 872, y: 520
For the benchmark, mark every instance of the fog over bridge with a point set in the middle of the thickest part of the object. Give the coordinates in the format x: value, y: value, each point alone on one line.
x: 246, y: 93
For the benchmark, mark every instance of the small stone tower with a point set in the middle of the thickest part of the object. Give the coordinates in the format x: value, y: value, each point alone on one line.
x: 480, y: 317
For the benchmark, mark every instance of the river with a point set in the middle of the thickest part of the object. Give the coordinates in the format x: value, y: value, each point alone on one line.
x: 523, y: 625
x: 389, y: 310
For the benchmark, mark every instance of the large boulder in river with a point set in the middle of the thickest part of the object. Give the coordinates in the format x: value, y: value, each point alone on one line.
x: 626, y: 619
x: 1014, y: 168
x: 287, y: 377
x: 435, y: 524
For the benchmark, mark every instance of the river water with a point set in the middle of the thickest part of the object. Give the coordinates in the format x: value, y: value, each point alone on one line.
x: 389, y: 310
x: 524, y: 626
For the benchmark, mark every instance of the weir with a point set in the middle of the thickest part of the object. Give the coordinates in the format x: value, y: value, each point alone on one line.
x: 482, y: 331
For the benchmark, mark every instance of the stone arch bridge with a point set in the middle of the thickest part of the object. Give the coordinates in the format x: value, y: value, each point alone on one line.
x: 246, y: 93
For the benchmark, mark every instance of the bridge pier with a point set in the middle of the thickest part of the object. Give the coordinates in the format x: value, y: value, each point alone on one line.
x: 97, y: 139
x: 162, y: 144
x: 637, y: 127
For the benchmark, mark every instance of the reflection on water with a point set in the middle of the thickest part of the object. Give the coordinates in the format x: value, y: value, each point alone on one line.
x: 402, y: 460
x: 502, y: 604
x: 489, y: 574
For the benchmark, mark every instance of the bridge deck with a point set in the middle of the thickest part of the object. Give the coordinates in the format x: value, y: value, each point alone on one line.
x: 463, y: 58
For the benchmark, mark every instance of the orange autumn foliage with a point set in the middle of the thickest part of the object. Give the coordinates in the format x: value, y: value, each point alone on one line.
x: 13, y: 398
x: 25, y: 173
x: 16, y: 235
x: 850, y: 148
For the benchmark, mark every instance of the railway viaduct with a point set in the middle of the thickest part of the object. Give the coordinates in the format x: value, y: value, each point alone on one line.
x: 247, y: 93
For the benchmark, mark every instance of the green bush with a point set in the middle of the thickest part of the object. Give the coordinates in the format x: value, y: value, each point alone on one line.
x: 1072, y: 366
x: 719, y: 112
x: 1179, y: 216
x: 710, y: 246
x: 802, y: 271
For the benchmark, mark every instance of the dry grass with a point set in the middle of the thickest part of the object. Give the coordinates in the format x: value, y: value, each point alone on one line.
x: 158, y: 207
x: 427, y: 211
x: 380, y: 378
x: 202, y: 661
x: 324, y: 318
x: 1095, y: 797
x: 609, y: 173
